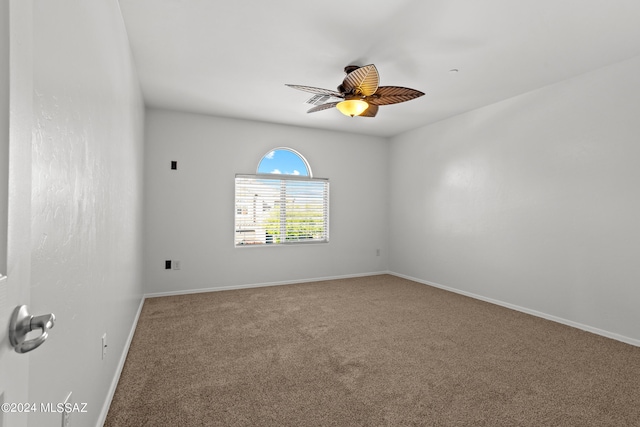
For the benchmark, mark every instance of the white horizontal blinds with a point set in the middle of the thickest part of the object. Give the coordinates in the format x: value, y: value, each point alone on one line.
x: 281, y: 210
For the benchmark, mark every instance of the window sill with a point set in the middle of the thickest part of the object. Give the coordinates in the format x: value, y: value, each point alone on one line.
x: 271, y: 245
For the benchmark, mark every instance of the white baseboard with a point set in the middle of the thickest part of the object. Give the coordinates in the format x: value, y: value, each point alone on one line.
x: 123, y: 357
x: 546, y: 316
x: 260, y: 285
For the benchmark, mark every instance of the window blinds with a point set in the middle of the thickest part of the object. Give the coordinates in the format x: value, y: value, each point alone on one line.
x: 280, y: 210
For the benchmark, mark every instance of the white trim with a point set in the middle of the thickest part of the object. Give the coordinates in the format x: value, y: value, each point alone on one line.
x: 260, y: 285
x: 601, y: 332
x: 123, y: 357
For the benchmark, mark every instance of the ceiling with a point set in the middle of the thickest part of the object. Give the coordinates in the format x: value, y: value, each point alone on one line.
x: 233, y: 58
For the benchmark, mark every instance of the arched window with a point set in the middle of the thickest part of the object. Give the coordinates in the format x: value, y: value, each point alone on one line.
x: 282, y: 203
x: 284, y: 161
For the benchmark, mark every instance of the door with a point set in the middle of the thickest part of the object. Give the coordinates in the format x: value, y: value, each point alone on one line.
x: 16, y: 113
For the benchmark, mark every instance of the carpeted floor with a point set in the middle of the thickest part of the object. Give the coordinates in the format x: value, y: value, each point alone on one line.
x: 369, y: 351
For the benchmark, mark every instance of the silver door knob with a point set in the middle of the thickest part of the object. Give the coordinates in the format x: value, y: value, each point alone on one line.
x: 22, y: 323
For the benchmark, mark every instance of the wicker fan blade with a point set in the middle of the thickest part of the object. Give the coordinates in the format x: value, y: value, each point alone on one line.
x: 393, y: 94
x: 322, y: 107
x: 317, y: 90
x: 370, y: 112
x: 362, y: 81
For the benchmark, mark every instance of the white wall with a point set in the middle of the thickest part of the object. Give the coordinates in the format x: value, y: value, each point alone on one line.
x: 190, y: 212
x: 86, y: 199
x: 4, y: 130
x: 532, y: 201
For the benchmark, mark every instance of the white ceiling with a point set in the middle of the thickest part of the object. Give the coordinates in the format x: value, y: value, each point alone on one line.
x: 233, y: 58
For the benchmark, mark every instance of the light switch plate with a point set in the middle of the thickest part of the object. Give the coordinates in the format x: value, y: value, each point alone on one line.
x: 104, y: 346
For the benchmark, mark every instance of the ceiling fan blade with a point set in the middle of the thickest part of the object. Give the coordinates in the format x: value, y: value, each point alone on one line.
x: 317, y: 90
x: 386, y: 95
x: 318, y: 99
x: 362, y: 81
x: 322, y: 107
x: 371, y: 111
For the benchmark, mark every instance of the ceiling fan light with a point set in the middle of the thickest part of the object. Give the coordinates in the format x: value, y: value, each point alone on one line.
x: 352, y: 107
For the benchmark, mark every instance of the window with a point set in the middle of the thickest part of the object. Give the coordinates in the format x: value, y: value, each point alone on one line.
x: 282, y: 203
x: 284, y: 161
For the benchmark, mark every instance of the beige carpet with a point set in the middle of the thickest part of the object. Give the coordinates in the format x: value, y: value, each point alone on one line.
x: 370, y: 351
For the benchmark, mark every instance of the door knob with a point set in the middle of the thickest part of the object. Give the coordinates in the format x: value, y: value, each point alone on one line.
x: 22, y: 323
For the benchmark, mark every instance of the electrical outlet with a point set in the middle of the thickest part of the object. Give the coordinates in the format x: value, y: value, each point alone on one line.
x: 176, y: 265
x: 377, y: 252
x: 104, y: 346
x: 66, y: 414
x: 167, y: 264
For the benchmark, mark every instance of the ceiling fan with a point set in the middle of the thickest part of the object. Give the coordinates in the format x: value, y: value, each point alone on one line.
x: 359, y: 93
